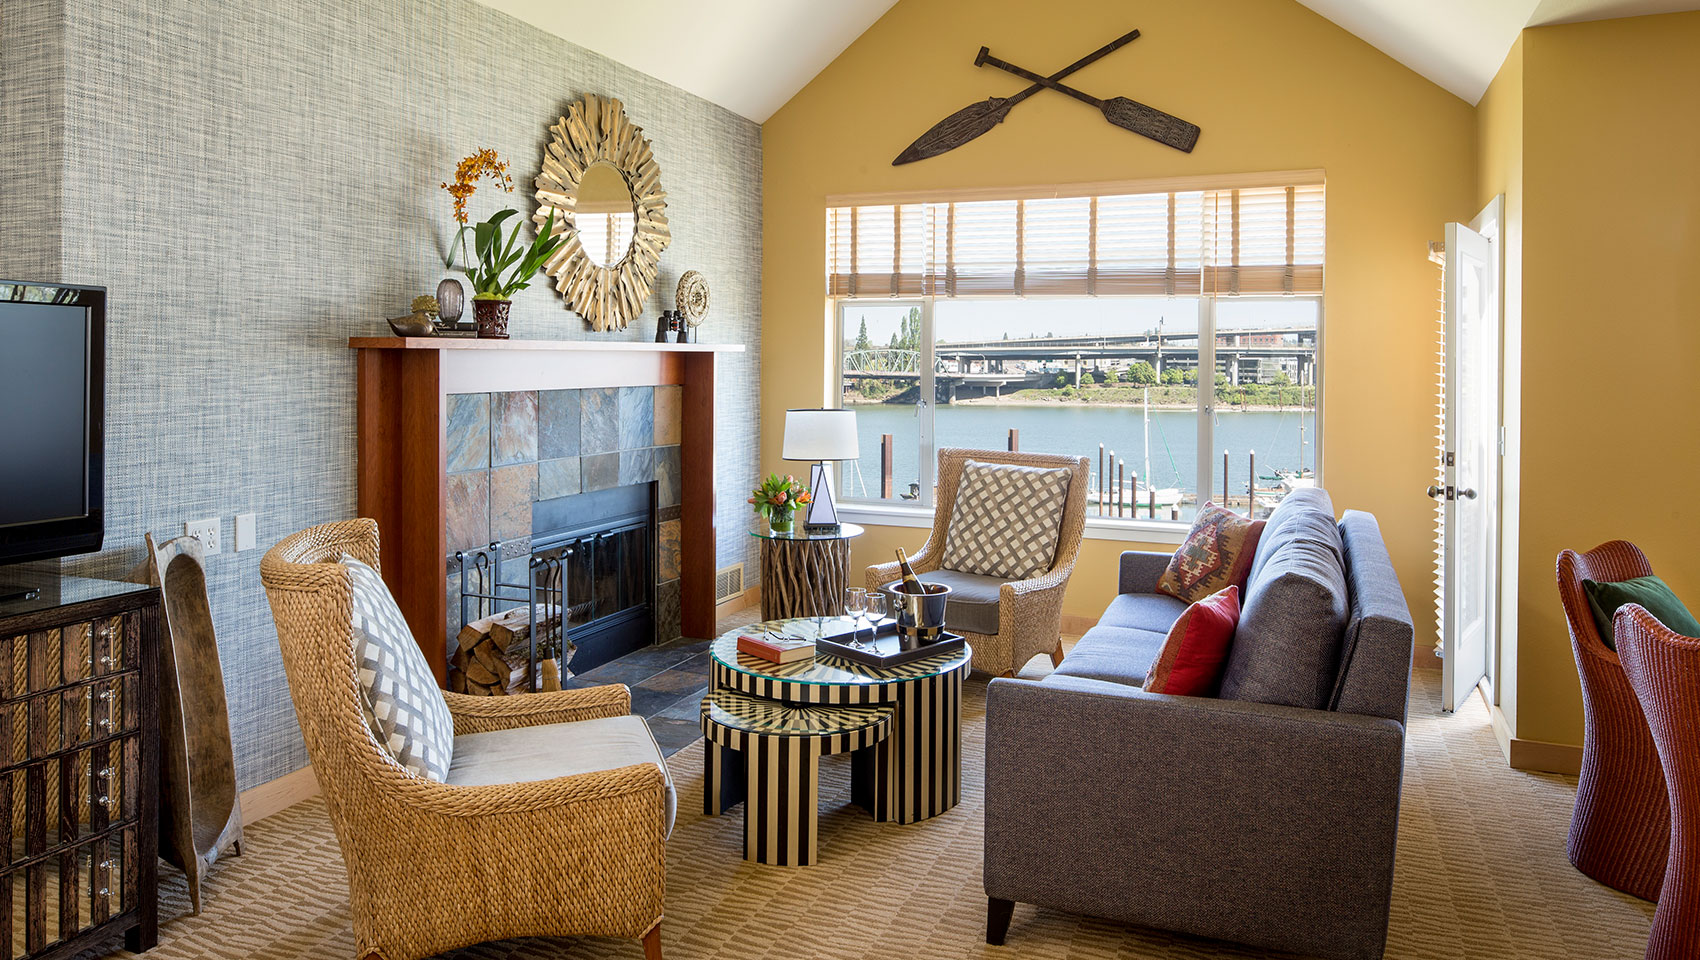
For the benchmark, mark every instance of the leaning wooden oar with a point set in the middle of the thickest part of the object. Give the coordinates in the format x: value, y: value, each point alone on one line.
x: 1127, y: 114
x: 977, y: 118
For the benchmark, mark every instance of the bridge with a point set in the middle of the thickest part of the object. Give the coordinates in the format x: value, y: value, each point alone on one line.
x: 984, y: 363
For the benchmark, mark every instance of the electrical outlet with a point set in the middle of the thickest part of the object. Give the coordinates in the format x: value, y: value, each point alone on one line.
x: 245, y: 528
x: 206, y: 531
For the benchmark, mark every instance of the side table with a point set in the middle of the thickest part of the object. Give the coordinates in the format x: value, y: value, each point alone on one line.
x: 804, y: 574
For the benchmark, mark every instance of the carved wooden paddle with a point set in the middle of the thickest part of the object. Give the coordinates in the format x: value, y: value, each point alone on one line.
x: 1127, y: 114
x: 977, y: 118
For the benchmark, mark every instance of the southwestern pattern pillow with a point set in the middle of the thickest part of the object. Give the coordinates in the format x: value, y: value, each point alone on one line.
x: 1217, y: 553
x: 402, y: 704
x: 1007, y: 520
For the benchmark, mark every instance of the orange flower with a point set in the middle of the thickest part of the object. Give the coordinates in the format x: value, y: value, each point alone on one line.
x: 483, y: 163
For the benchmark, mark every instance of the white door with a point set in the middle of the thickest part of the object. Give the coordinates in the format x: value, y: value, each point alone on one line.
x: 1470, y: 460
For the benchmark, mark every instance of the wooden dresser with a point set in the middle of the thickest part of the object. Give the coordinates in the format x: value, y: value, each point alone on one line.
x: 79, y: 697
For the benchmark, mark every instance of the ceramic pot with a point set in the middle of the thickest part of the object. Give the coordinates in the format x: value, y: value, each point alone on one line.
x: 492, y: 317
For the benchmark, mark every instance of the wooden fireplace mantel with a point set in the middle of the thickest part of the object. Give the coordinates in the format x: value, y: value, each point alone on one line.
x: 404, y: 385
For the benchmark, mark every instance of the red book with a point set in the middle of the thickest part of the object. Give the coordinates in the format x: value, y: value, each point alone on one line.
x: 775, y: 649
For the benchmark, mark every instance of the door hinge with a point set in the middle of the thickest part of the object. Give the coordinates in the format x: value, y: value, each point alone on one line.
x: 1450, y: 460
x: 1502, y: 441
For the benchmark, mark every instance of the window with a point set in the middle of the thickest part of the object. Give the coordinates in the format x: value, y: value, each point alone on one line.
x: 1080, y: 325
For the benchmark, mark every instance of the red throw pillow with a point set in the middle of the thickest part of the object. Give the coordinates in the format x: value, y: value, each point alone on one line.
x: 1217, y: 552
x: 1196, y: 652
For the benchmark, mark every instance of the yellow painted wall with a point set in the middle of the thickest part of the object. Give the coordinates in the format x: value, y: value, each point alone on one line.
x: 1274, y: 86
x: 1611, y: 323
x: 1499, y: 171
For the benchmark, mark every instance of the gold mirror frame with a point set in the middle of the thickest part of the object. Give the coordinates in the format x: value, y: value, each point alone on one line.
x: 597, y: 129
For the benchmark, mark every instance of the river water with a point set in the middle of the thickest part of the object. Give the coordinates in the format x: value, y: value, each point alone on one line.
x: 1078, y: 430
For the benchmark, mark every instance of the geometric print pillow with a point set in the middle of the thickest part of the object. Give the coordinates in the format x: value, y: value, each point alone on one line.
x: 1217, y: 554
x: 402, y: 703
x: 1007, y: 520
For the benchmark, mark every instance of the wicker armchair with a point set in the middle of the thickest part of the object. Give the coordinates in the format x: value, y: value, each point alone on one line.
x: 1029, y: 611
x: 581, y: 855
x: 1664, y: 668
x: 1620, y: 829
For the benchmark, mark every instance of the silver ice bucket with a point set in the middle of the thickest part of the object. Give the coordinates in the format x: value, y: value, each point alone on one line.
x: 920, y: 616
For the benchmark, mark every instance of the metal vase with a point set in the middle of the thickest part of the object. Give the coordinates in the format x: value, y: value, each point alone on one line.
x: 920, y: 616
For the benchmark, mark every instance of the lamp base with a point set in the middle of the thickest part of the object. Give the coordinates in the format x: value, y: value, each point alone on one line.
x: 822, y: 516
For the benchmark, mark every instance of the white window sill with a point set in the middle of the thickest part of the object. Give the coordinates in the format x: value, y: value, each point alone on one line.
x: 1097, y: 528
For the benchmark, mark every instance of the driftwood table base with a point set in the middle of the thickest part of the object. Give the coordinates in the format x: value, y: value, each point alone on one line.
x: 803, y: 578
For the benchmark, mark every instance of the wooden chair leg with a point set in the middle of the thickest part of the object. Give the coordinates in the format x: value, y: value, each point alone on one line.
x: 652, y: 943
x: 998, y: 913
x: 1057, y: 655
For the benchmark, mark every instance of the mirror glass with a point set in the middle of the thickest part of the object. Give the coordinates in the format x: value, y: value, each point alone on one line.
x: 605, y: 213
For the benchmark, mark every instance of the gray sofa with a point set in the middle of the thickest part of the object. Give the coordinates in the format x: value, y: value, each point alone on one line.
x: 1266, y: 815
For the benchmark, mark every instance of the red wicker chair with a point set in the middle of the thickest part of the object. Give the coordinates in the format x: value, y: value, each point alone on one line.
x: 1620, y: 829
x: 1664, y: 668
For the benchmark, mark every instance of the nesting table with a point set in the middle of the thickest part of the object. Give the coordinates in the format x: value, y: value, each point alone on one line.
x: 766, y: 726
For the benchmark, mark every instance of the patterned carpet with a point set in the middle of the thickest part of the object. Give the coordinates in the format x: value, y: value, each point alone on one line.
x: 1481, y: 873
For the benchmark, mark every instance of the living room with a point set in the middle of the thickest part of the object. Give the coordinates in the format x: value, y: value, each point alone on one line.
x: 402, y: 569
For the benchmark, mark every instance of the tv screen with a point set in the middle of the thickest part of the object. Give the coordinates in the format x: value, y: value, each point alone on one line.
x: 51, y: 387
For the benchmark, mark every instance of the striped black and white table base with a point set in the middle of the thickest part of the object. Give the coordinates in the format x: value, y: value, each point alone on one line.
x: 922, y: 777
x: 767, y: 754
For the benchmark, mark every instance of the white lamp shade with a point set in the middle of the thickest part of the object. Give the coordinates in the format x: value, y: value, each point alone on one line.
x: 820, y: 435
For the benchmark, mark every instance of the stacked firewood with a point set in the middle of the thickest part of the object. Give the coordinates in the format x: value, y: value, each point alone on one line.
x: 493, y: 653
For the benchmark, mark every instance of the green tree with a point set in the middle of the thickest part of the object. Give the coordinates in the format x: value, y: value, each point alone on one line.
x: 1112, y: 375
x: 1062, y: 380
x: 862, y: 343
x: 1142, y: 374
x: 1173, y: 376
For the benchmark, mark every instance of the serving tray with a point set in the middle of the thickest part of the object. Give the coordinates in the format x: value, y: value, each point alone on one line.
x: 888, y: 648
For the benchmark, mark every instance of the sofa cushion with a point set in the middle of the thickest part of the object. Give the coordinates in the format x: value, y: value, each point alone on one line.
x: 526, y: 754
x: 1286, y: 649
x: 1006, y: 520
x: 1311, y: 508
x: 1191, y: 661
x: 401, y: 701
x: 973, y: 603
x: 1217, y: 553
x: 1143, y: 611
x: 1116, y: 654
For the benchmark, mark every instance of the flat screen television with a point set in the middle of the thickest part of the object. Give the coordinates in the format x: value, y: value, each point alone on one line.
x: 52, y: 419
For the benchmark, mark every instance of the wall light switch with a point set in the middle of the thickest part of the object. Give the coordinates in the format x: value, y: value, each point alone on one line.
x: 206, y: 531
x: 245, y: 525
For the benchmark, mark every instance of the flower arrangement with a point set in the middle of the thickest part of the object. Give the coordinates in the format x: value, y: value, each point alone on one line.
x: 778, y: 498
x: 501, y: 268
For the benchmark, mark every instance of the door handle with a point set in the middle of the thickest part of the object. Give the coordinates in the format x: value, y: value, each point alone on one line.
x: 1466, y: 493
x: 1436, y: 493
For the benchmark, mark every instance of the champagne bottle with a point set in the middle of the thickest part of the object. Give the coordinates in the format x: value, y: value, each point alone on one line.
x: 911, y: 583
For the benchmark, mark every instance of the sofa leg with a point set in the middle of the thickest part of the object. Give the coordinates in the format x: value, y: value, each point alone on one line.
x: 998, y: 913
x: 652, y: 943
x: 1057, y: 655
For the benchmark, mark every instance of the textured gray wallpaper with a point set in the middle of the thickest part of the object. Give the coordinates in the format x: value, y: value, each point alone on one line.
x: 256, y: 182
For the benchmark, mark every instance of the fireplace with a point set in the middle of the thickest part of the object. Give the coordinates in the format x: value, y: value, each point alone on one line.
x: 593, y: 556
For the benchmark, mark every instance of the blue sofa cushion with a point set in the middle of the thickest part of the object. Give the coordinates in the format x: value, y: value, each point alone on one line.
x: 1287, y: 647
x: 1116, y: 654
x: 1143, y: 611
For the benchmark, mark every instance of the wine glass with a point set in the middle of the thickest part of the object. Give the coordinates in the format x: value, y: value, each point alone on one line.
x: 878, y: 604
x: 855, y: 604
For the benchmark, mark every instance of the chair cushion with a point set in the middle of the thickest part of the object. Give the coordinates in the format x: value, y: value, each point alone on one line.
x: 1191, y: 661
x: 1143, y: 611
x: 1604, y: 597
x: 1116, y: 654
x: 402, y: 703
x: 1286, y: 649
x: 973, y: 603
x: 1217, y: 553
x: 1006, y: 520
x: 528, y: 754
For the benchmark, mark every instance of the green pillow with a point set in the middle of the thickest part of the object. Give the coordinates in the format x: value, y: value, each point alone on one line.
x: 1649, y: 592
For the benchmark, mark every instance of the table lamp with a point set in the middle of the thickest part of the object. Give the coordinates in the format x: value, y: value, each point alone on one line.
x: 820, y: 435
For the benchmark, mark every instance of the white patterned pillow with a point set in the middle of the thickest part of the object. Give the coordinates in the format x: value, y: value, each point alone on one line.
x: 402, y: 702
x: 1007, y: 520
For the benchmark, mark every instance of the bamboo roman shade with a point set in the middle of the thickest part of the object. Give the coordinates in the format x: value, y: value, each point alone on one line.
x: 1241, y: 241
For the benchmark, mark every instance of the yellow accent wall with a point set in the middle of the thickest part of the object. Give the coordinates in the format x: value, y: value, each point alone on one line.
x: 1274, y: 87
x: 1611, y: 324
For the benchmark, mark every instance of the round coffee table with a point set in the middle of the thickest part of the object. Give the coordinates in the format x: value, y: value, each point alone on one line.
x: 916, y: 772
x: 803, y: 573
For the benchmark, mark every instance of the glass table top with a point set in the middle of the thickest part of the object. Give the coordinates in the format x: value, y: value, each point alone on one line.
x: 844, y: 532
x: 826, y: 669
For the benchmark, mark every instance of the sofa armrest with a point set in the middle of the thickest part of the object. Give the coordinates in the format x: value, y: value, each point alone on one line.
x: 1267, y: 825
x: 1140, y: 570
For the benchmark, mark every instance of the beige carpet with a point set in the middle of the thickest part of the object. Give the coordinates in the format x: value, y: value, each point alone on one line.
x: 1481, y: 873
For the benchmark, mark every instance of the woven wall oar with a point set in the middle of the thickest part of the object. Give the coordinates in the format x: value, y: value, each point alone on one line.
x: 977, y: 118
x: 1127, y: 114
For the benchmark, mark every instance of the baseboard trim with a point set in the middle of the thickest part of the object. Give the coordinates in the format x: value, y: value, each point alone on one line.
x: 1538, y: 755
x: 1501, y: 727
x: 273, y: 796
x: 751, y: 597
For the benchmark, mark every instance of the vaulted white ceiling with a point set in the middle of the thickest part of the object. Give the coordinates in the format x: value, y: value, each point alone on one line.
x: 751, y: 56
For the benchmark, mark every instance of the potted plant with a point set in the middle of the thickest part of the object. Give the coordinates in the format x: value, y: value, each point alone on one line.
x: 501, y: 268
x: 777, y: 499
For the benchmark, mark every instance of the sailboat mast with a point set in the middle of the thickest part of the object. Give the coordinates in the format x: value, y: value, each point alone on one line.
x: 1146, y: 406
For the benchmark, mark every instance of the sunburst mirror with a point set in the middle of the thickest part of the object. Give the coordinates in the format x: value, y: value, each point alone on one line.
x: 603, y: 186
